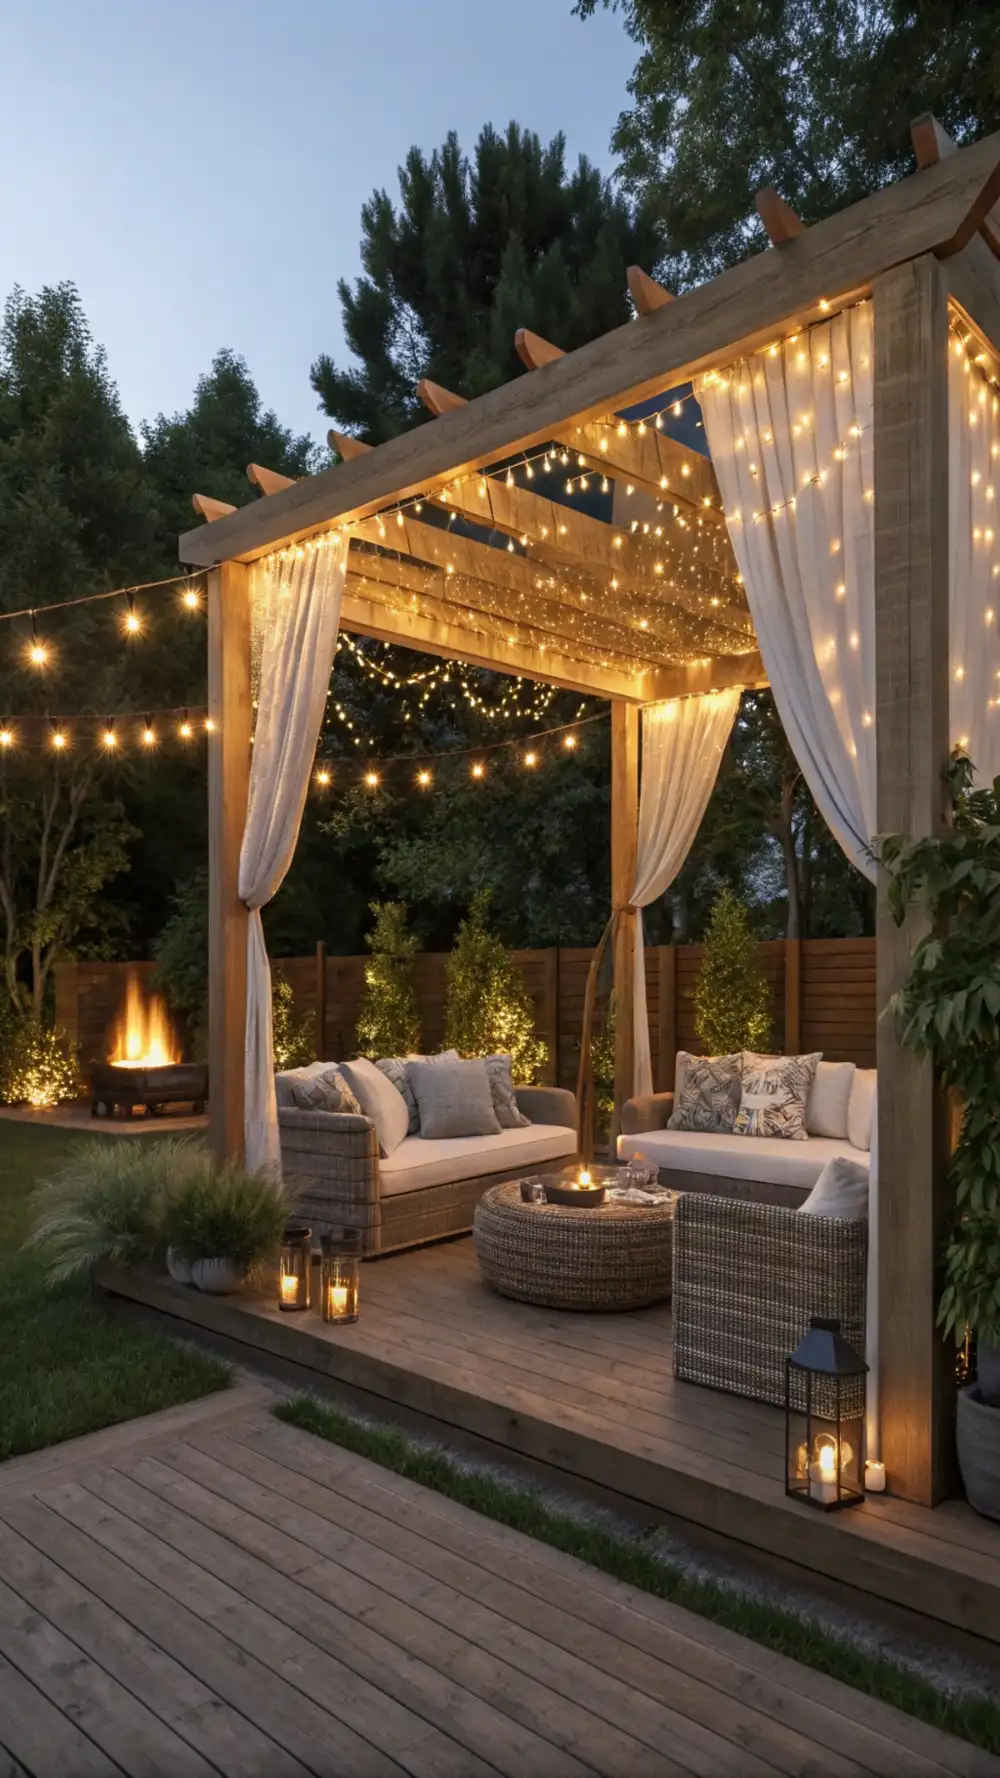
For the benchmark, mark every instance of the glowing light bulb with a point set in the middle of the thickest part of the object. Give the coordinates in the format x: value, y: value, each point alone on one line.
x: 149, y: 736
x: 109, y: 739
x: 569, y: 742
x: 209, y: 726
x: 58, y: 739
x: 38, y: 654
x: 531, y: 759
x: 323, y: 776
x: 478, y: 771
x: 423, y: 779
x: 191, y: 599
x: 371, y: 779
x: 185, y: 730
x: 6, y: 737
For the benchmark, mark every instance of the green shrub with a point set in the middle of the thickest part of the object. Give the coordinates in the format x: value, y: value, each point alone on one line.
x: 488, y: 1009
x: 732, y: 999
x: 388, y: 1019
x: 293, y: 1038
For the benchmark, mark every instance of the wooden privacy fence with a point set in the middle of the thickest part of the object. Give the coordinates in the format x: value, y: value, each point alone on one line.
x: 822, y: 998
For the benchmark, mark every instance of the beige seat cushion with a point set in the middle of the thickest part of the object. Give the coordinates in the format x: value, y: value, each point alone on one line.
x: 418, y: 1162
x: 769, y: 1159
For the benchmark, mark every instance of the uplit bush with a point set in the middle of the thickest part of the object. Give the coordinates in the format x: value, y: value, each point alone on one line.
x: 37, y: 1066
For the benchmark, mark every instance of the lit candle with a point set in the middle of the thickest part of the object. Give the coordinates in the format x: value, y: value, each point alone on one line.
x: 583, y: 1178
x: 823, y: 1474
x: 874, y: 1476
x: 289, y: 1288
x: 337, y: 1299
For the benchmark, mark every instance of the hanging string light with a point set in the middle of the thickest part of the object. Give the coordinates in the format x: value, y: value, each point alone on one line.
x: 38, y: 653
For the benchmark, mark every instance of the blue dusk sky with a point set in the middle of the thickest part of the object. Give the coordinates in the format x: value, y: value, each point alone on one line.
x: 197, y: 167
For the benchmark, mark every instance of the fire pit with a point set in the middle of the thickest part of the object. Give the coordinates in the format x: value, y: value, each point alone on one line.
x: 144, y: 1066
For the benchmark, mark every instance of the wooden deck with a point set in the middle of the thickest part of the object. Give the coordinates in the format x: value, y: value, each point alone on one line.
x: 594, y: 1395
x: 211, y: 1592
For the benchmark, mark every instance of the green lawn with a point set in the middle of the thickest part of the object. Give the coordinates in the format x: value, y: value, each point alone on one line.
x: 68, y: 1365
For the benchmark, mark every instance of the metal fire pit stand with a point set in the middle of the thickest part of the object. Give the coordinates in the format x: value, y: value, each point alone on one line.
x: 115, y: 1092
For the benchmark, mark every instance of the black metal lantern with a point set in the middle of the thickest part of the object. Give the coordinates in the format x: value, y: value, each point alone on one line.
x: 825, y: 1419
x: 340, y: 1276
x: 295, y: 1269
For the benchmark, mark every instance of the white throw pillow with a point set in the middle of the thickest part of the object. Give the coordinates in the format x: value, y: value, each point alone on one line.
x: 380, y: 1101
x: 829, y: 1095
x: 859, y: 1109
x: 840, y: 1190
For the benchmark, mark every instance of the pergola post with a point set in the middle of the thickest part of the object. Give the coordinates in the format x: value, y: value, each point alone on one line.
x: 911, y: 649
x: 624, y: 837
x: 230, y: 710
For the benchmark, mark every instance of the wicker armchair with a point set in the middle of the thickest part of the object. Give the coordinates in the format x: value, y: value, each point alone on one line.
x: 747, y: 1277
x: 331, y: 1160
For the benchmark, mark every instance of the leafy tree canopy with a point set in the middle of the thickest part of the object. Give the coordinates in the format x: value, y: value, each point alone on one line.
x: 814, y: 97
x: 476, y: 249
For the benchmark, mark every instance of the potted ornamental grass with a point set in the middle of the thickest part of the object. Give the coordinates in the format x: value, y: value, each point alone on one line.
x: 223, y: 1225
x: 950, y: 1010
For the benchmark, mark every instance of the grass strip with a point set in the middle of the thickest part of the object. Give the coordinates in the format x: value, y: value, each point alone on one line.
x: 974, y: 1719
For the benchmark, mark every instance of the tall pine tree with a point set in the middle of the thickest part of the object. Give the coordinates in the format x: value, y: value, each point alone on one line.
x: 476, y: 249
x: 732, y: 1000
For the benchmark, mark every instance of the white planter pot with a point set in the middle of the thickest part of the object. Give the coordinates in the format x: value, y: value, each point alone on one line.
x: 219, y: 1277
x: 178, y: 1267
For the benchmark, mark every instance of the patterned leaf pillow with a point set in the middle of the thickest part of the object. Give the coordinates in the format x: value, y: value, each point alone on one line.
x: 775, y: 1090
x: 324, y: 1092
x: 706, y: 1094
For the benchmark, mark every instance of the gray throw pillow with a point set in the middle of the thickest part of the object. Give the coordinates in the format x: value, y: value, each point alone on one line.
x: 501, y: 1076
x: 840, y: 1190
x: 774, y: 1094
x: 454, y: 1098
x: 394, y: 1069
x: 706, y: 1094
x: 324, y: 1092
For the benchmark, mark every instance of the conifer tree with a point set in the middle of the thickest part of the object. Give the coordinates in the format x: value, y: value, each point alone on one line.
x: 732, y: 998
x: 488, y: 1009
x: 389, y: 1021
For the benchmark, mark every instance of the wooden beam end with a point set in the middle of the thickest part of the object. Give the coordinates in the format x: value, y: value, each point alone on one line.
x: 209, y: 509
x: 646, y: 293
x: 533, y: 351
x: 437, y: 400
x: 346, y: 446
x: 779, y: 219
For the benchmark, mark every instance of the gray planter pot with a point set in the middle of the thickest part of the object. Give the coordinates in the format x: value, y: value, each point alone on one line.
x: 988, y: 1373
x: 978, y: 1436
x: 219, y: 1277
x: 178, y: 1267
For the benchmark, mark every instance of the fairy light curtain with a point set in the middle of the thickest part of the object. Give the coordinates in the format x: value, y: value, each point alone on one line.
x: 295, y: 600
x: 790, y: 433
x: 683, y: 741
x: 974, y: 552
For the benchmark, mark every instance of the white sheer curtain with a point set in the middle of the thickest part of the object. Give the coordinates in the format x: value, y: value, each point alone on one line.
x: 974, y: 536
x: 295, y: 600
x: 790, y: 432
x: 682, y: 744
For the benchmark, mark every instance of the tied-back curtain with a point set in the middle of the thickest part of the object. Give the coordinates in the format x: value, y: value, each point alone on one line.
x: 974, y: 537
x: 295, y: 601
x: 790, y: 431
x: 683, y: 741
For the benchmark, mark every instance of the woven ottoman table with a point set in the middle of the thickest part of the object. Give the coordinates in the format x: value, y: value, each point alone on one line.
x: 615, y: 1256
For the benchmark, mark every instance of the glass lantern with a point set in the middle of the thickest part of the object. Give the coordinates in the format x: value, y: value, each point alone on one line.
x: 295, y: 1269
x: 825, y: 1419
x: 340, y: 1276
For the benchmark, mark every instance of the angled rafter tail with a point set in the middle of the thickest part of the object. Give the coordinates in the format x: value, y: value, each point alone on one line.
x: 647, y: 295
x: 779, y: 219
x: 437, y: 400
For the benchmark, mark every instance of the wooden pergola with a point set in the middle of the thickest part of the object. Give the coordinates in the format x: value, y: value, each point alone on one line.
x: 650, y: 606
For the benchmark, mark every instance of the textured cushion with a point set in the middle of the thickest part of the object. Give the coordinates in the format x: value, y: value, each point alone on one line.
x: 379, y: 1100
x: 861, y: 1108
x: 394, y: 1069
x: 418, y: 1162
x: 284, y: 1078
x: 500, y: 1070
x: 706, y: 1093
x: 324, y: 1092
x: 826, y: 1106
x: 774, y: 1094
x: 454, y: 1098
x: 769, y: 1159
x: 840, y: 1190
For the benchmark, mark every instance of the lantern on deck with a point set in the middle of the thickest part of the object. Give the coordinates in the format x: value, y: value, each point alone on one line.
x: 295, y: 1269
x: 340, y: 1276
x: 825, y: 1419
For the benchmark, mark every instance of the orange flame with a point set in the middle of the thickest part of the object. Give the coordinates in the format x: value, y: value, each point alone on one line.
x: 143, y: 1037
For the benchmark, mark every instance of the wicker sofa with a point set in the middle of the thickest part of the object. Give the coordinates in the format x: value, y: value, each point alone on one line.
x: 425, y: 1190
x: 748, y: 1269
